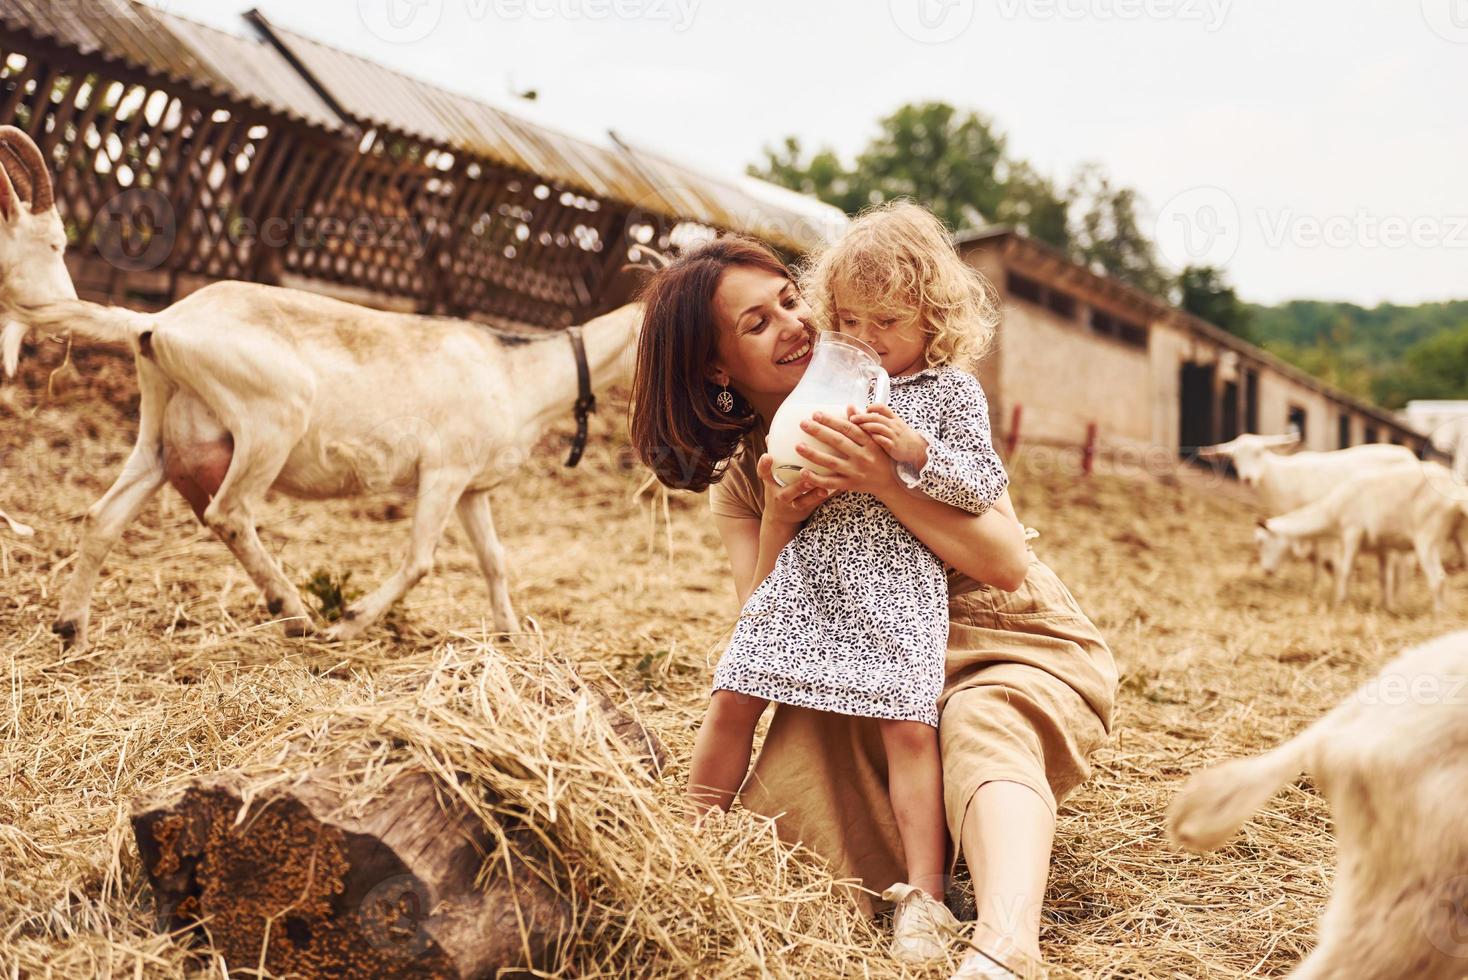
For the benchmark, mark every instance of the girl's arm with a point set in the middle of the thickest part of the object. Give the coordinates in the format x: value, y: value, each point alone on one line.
x: 988, y: 547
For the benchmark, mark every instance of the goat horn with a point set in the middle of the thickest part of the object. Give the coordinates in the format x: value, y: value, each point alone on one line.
x: 29, y: 155
x: 8, y: 202
x: 15, y: 170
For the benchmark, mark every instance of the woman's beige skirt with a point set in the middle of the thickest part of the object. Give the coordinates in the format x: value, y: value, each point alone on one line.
x: 1028, y: 697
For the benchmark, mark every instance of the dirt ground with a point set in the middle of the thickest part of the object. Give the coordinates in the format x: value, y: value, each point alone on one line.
x: 1216, y: 660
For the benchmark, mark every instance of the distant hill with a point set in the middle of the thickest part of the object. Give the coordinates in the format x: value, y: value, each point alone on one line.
x: 1387, y: 353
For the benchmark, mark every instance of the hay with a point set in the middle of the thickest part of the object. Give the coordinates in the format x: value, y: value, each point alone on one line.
x: 187, y: 676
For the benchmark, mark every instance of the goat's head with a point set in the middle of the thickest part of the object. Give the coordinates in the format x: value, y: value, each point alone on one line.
x: 1273, y: 547
x: 1248, y: 452
x: 32, y: 237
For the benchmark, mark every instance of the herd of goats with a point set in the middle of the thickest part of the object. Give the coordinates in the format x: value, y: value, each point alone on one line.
x: 248, y: 388
x: 1329, y: 507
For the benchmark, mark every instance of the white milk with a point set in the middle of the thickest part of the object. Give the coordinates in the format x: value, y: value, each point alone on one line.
x: 785, y: 434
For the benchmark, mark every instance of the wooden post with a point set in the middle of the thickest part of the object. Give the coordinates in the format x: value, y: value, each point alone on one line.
x: 1088, y: 455
x: 1011, y: 438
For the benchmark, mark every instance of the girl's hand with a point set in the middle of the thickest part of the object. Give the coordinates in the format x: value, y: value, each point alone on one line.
x: 853, y: 460
x: 902, y: 442
x: 790, y: 504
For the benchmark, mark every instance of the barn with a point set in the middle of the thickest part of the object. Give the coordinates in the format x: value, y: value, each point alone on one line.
x: 186, y: 154
x: 1083, y: 357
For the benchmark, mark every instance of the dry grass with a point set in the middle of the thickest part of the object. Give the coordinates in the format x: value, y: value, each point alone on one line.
x: 186, y: 676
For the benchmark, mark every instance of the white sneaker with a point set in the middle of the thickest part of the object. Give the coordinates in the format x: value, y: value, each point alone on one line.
x: 979, y: 967
x: 922, y: 926
x: 1006, y: 963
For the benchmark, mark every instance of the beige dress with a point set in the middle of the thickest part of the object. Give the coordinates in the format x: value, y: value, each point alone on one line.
x: 1027, y: 698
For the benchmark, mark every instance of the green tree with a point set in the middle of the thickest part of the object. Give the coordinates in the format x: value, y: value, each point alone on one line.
x: 930, y: 152
x: 1436, y: 367
x: 1106, y: 235
x: 1204, y: 292
x: 822, y: 175
x: 1032, y: 204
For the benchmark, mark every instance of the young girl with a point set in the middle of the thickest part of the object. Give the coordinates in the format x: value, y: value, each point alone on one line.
x: 854, y: 616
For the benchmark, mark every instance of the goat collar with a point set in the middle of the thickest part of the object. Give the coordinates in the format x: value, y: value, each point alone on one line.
x: 585, y: 400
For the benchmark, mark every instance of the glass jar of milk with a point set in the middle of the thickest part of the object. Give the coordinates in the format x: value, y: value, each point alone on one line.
x: 843, y: 371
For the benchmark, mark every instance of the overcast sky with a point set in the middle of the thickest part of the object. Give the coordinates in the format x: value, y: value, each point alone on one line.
x: 1312, y: 148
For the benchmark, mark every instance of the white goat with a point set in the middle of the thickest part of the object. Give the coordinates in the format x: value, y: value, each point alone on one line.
x: 1413, y: 507
x: 247, y: 388
x: 1391, y: 761
x: 1287, y: 482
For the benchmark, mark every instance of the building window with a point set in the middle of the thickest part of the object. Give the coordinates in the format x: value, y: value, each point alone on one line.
x: 1344, y: 438
x: 1298, y: 420
x: 1062, y: 303
x: 1033, y: 291
x: 1370, y: 435
x: 1106, y: 325
x: 1026, y: 288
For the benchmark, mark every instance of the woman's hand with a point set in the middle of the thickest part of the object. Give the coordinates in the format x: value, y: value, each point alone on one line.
x: 852, y: 459
x: 791, y: 504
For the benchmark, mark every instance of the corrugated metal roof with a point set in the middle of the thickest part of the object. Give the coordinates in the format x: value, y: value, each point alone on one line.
x: 378, y: 96
x: 243, y: 69
x: 255, y: 71
x: 742, y: 204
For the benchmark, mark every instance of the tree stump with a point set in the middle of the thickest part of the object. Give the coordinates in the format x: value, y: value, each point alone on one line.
x: 298, y: 884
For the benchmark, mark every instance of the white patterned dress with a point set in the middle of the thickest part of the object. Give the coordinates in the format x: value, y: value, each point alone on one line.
x: 854, y: 617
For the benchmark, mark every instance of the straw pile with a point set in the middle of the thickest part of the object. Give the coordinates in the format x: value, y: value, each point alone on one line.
x: 186, y: 679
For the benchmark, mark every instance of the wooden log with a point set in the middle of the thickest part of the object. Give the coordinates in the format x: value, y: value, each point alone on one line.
x: 296, y: 879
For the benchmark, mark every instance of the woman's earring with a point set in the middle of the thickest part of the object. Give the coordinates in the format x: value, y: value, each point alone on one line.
x: 725, y: 401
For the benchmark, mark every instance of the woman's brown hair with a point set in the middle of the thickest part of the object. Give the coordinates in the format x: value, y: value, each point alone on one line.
x: 677, y: 430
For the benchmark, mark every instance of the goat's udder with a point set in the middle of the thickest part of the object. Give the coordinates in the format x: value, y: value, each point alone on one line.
x: 198, y: 470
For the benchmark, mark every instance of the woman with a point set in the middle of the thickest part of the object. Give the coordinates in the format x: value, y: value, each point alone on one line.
x: 1030, y: 683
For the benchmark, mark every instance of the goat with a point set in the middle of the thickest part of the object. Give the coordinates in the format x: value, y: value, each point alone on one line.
x: 1287, y: 482
x: 247, y: 388
x: 1410, y: 507
x: 1391, y: 761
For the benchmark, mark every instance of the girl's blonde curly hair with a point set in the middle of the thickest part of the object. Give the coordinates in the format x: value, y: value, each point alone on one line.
x: 898, y: 260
